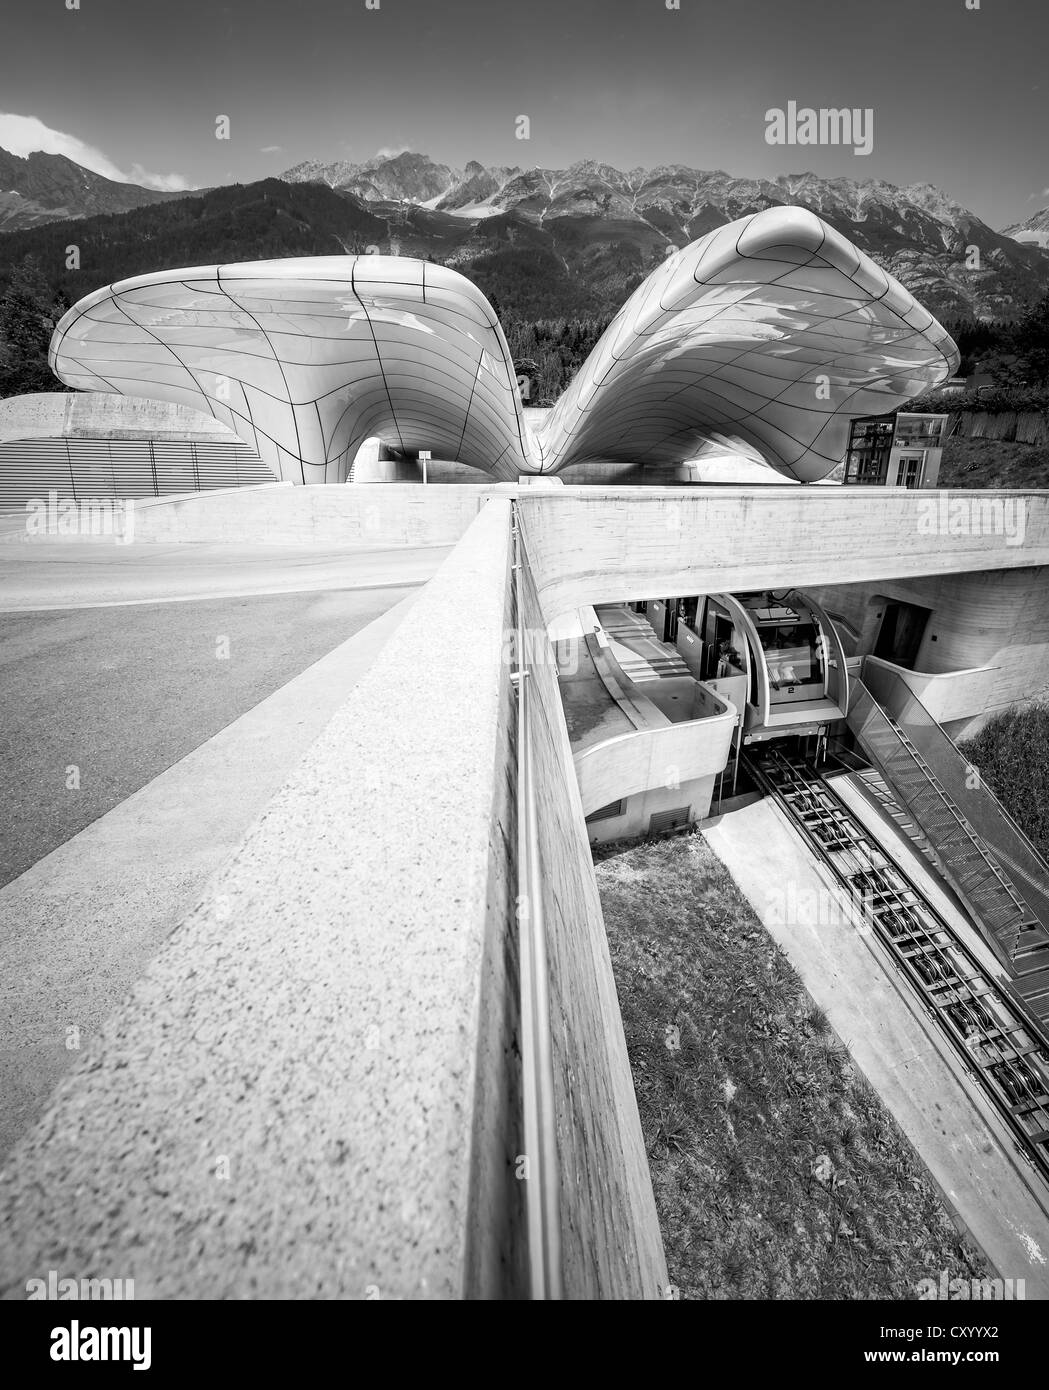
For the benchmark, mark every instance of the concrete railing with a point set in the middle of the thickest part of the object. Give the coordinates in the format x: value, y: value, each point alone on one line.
x: 610, y: 1241
x: 105, y: 415
x: 648, y: 758
x: 371, y: 514
x: 708, y: 704
x: 310, y: 1092
x: 314, y: 1090
x: 947, y: 695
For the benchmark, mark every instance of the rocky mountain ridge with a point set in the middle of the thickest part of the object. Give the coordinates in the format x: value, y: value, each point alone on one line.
x: 43, y: 188
x: 946, y: 255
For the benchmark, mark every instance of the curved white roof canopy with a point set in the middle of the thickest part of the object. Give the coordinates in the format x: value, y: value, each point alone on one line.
x: 772, y: 332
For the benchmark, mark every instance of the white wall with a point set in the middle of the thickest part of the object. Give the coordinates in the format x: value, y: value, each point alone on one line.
x: 637, y: 813
x: 107, y: 415
x: 985, y: 647
x: 378, y: 514
x: 614, y: 545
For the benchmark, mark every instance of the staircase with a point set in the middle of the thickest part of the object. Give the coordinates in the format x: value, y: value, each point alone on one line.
x: 1028, y: 951
x: 640, y: 654
x: 976, y: 877
x: 641, y: 669
x: 914, y: 795
x: 881, y: 793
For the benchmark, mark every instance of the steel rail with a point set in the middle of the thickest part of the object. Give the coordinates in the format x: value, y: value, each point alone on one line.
x: 542, y: 1171
x: 785, y: 779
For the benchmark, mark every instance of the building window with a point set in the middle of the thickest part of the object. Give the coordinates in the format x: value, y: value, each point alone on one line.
x: 920, y: 431
x: 868, y: 458
x: 909, y: 470
x: 792, y: 655
x: 870, y: 443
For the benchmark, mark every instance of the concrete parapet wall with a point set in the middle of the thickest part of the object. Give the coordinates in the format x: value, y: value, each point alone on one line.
x: 650, y: 758
x: 376, y: 514
x: 953, y: 695
x: 611, y: 1243
x: 615, y: 545
x: 313, y: 1091
x: 105, y: 415
x: 375, y: 463
x: 310, y: 1092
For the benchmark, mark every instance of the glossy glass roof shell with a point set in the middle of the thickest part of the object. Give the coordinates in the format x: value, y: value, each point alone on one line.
x: 306, y: 358
x: 773, y: 332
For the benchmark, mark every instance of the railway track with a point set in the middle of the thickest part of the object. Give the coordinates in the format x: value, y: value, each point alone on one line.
x: 1000, y: 1043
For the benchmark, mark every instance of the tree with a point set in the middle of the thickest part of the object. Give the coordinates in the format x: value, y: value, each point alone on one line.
x: 28, y: 314
x: 1029, y: 340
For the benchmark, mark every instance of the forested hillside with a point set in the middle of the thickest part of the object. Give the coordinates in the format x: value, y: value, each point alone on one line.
x: 554, y: 286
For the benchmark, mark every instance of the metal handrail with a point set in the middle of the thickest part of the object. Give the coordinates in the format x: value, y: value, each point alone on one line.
x: 542, y: 1187
x: 985, y: 787
x: 955, y: 813
x: 961, y: 820
x: 1037, y: 881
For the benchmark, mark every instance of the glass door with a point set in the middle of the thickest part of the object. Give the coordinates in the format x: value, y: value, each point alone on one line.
x: 909, y: 470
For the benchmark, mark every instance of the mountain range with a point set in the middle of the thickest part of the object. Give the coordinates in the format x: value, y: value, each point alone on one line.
x: 566, y: 241
x: 50, y: 188
x: 1033, y: 230
x: 917, y: 232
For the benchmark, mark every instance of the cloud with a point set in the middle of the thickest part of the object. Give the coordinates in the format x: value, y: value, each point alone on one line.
x: 168, y: 183
x: 272, y: 149
x: 22, y: 135
x: 391, y: 151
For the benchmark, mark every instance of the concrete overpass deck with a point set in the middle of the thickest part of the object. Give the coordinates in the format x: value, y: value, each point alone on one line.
x: 615, y: 544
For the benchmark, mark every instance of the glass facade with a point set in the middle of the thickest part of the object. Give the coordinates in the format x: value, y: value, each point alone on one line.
x: 870, y: 444
x: 920, y: 431
x: 869, y: 458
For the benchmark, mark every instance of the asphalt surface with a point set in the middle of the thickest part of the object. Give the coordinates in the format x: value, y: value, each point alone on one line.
x: 81, y: 925
x: 75, y: 573
x: 109, y: 697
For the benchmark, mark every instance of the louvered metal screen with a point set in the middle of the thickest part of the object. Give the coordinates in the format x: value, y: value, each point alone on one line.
x: 82, y: 468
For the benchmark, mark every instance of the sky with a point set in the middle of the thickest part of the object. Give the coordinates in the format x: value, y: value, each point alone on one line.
x: 133, y: 88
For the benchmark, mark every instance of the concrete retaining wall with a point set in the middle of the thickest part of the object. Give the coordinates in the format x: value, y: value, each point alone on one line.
x: 693, y: 799
x: 377, y: 464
